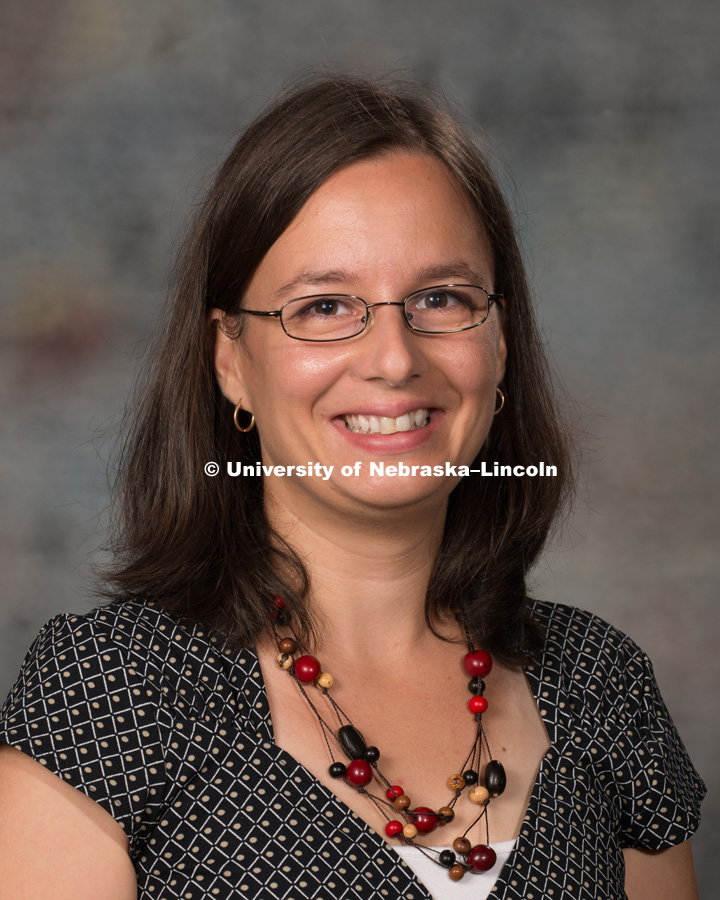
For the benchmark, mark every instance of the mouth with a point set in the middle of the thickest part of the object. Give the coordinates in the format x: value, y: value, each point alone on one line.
x: 362, y: 424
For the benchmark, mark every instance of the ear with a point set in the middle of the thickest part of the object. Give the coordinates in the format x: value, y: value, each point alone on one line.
x: 226, y: 357
x: 501, y: 354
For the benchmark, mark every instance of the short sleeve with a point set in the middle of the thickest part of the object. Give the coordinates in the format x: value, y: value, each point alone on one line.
x: 84, y: 707
x: 661, y: 792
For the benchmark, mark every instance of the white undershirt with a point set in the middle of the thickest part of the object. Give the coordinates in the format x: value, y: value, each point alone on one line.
x: 474, y: 886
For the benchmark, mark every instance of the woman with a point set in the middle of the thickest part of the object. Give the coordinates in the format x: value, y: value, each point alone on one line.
x: 276, y: 703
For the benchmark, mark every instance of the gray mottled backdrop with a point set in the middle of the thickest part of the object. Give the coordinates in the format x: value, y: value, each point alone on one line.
x: 111, y: 114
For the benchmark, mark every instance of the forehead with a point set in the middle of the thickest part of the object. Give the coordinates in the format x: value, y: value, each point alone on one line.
x: 399, y: 213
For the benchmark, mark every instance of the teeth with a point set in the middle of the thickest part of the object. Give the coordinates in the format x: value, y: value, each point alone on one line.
x: 360, y: 424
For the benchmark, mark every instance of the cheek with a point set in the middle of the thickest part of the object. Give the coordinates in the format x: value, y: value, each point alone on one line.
x: 472, y: 368
x: 292, y: 376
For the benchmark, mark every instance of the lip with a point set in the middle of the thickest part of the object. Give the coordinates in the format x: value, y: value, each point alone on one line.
x: 392, y: 410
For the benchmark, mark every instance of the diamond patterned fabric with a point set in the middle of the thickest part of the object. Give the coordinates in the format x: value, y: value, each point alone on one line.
x: 172, y: 736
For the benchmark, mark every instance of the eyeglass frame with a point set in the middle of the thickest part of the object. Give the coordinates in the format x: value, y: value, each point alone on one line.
x: 277, y: 313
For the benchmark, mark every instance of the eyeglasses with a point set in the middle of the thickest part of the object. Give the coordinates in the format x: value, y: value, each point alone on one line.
x: 442, y: 309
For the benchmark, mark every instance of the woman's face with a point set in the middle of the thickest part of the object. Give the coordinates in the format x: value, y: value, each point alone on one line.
x: 379, y: 229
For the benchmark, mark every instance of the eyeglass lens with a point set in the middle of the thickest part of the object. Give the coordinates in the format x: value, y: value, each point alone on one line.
x: 331, y: 317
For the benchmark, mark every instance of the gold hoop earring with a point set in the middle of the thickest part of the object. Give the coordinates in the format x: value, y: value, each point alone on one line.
x: 239, y: 427
x: 502, y: 401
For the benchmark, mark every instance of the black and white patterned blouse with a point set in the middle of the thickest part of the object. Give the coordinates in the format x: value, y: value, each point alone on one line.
x: 173, y: 737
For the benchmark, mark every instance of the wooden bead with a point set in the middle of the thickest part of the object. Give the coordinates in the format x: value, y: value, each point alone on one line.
x: 456, y: 782
x: 284, y: 661
x: 393, y: 829
x: 287, y: 645
x: 479, y: 794
x: 477, y: 705
x: 495, y: 777
x: 279, y: 605
x: 359, y: 773
x: 424, y: 819
x: 307, y: 669
x: 372, y: 754
x: 402, y: 802
x: 447, y: 858
x: 482, y: 858
x: 476, y: 686
x: 325, y: 680
x: 456, y: 872
x: 477, y: 663
x: 461, y: 845
x: 410, y: 831
x: 352, y: 742
x: 447, y: 814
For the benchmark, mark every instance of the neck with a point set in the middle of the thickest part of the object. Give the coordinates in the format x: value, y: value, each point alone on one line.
x: 368, y: 577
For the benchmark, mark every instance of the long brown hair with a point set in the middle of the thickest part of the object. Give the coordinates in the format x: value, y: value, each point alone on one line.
x: 201, y: 546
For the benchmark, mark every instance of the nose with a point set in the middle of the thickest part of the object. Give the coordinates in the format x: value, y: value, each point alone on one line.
x: 389, y: 349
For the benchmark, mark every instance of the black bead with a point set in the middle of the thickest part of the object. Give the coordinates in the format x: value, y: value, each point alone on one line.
x: 372, y: 754
x: 495, y: 779
x: 337, y: 770
x: 471, y: 776
x: 352, y: 742
x: 476, y: 686
x: 447, y: 858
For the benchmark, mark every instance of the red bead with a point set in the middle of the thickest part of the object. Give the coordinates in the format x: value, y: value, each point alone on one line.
x: 482, y: 858
x: 359, y: 773
x: 307, y: 669
x: 424, y: 819
x: 477, y: 663
x: 475, y: 704
x: 279, y: 606
x: 392, y: 829
x: 393, y: 792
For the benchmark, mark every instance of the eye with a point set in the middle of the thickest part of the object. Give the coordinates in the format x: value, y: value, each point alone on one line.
x: 325, y: 308
x: 447, y: 307
x: 323, y: 316
x: 441, y: 300
x: 437, y: 300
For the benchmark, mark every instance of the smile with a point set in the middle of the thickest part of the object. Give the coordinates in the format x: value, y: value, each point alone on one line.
x: 360, y: 424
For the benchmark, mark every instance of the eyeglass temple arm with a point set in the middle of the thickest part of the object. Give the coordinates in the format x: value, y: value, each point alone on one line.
x: 258, y: 312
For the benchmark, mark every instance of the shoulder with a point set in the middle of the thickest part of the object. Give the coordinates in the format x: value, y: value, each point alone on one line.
x: 568, y: 624
x: 126, y: 656
x: 122, y: 643
x: 604, y: 706
x: 580, y: 644
x: 111, y: 702
x: 597, y: 674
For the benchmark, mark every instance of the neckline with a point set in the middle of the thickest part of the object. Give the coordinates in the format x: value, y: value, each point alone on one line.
x: 263, y: 721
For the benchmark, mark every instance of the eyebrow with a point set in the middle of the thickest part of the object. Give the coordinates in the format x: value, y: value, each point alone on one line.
x: 456, y: 271
x: 331, y: 276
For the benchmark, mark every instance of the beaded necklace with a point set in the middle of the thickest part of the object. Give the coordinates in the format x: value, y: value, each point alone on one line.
x: 362, y: 767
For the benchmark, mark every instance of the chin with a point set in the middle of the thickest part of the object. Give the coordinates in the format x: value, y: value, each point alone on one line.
x: 400, y: 493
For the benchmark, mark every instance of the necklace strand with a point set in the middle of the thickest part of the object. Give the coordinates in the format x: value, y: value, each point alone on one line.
x: 305, y: 669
